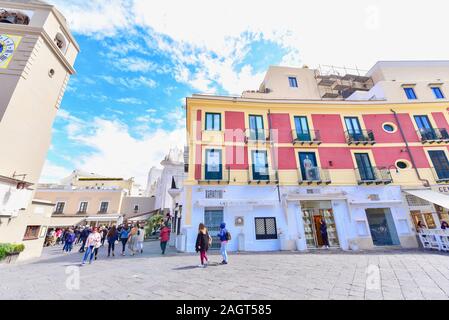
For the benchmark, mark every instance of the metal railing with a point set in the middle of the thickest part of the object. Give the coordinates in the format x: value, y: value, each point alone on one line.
x: 361, y: 137
x: 433, y: 135
x: 215, y: 174
x: 306, y: 137
x: 314, y: 175
x: 257, y: 135
x: 263, y: 175
x: 441, y: 176
x: 373, y: 175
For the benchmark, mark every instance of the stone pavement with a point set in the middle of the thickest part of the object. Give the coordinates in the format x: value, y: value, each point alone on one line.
x: 396, y: 274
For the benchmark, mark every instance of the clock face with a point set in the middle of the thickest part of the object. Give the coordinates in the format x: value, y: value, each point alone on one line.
x: 7, y: 47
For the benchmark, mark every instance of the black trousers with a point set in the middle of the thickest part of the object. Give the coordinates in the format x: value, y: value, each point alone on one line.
x: 124, y: 241
x: 111, y: 246
x: 325, y: 238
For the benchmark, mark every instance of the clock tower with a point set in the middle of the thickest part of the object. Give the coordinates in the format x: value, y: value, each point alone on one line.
x: 37, y: 54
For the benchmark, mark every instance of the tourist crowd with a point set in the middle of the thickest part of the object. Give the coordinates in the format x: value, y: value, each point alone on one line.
x: 131, y: 237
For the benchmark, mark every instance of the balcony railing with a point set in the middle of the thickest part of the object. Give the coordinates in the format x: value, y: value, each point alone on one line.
x: 257, y: 135
x: 441, y: 176
x: 306, y: 137
x: 263, y: 175
x: 314, y: 175
x: 434, y: 135
x: 215, y: 174
x: 364, y: 137
x: 373, y: 175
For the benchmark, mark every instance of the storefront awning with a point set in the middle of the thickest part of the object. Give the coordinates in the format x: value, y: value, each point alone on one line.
x: 431, y: 196
x: 103, y: 218
x: 65, y: 221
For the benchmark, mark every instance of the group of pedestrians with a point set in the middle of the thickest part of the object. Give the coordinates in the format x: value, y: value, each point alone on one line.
x: 91, y: 239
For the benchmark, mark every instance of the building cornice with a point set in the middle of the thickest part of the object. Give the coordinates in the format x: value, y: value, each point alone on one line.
x: 330, y: 103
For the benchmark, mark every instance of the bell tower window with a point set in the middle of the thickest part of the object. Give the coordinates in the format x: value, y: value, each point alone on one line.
x: 13, y: 17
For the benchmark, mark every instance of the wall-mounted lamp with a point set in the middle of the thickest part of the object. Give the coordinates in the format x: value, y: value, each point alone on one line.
x: 331, y: 163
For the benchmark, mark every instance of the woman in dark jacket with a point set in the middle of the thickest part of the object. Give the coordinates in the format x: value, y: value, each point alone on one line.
x: 323, y: 231
x: 203, y: 241
x: 112, y: 237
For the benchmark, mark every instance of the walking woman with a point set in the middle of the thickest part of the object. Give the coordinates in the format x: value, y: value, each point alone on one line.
x: 323, y: 231
x: 203, y: 241
x: 165, y: 237
x: 124, y: 234
x: 112, y: 238
x: 140, y: 238
x: 69, y: 240
x: 132, y: 240
x: 93, y: 240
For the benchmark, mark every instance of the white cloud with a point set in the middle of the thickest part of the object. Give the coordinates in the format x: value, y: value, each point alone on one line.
x: 312, y: 30
x: 53, y: 173
x: 115, y: 149
x: 130, y: 100
x: 118, y: 153
x: 134, y: 64
x: 96, y: 17
x: 130, y: 83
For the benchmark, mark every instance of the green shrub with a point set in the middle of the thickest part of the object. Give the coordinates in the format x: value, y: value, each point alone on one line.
x: 153, y: 224
x: 10, y: 248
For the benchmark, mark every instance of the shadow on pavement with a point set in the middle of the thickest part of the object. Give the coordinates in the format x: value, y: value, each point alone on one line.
x: 211, y: 264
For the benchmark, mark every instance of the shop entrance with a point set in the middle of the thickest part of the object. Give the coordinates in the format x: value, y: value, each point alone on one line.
x: 383, y: 230
x: 212, y: 220
x: 312, y: 213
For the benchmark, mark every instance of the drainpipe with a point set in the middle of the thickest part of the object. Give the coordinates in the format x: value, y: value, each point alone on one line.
x: 425, y: 182
x: 272, y: 156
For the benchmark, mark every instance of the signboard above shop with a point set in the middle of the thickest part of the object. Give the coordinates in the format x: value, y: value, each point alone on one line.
x: 441, y: 189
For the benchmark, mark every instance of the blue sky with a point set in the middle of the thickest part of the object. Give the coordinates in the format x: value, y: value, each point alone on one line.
x: 139, y: 60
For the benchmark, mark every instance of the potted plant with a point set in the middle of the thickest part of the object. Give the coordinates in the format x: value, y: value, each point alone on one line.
x: 10, y: 252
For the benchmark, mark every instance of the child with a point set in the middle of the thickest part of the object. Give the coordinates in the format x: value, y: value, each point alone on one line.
x: 203, y: 241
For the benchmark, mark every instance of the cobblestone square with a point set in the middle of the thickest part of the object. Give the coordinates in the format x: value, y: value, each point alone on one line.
x: 395, y: 274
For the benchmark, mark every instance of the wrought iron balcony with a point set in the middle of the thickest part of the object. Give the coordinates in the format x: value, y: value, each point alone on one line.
x: 310, y: 137
x: 440, y: 175
x: 262, y: 175
x: 364, y: 137
x: 434, y: 135
x: 373, y: 175
x: 215, y: 174
x: 257, y: 135
x: 314, y: 175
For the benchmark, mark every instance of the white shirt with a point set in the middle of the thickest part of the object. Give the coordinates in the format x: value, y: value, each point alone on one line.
x: 141, y: 236
x: 94, y: 239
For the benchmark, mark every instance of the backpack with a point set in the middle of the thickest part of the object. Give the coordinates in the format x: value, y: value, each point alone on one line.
x: 228, y: 236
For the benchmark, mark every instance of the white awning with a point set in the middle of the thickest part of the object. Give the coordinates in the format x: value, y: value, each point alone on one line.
x: 65, y: 221
x: 141, y: 218
x: 431, y: 196
x: 103, y: 218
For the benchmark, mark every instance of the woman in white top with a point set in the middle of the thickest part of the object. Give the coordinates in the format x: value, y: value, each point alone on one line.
x: 140, y: 238
x: 93, y: 242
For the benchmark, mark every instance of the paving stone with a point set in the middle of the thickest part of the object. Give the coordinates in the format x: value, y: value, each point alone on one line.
x: 405, y: 274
